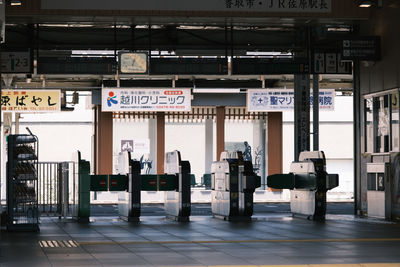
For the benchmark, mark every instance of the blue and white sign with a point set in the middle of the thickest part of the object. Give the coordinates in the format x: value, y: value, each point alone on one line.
x: 283, y: 99
x: 145, y: 99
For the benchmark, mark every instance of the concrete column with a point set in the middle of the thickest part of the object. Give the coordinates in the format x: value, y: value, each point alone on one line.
x: 220, y: 131
x: 209, y: 142
x: 160, y: 142
x: 259, y: 149
x: 275, y: 143
x: 153, y: 144
x: 104, y: 141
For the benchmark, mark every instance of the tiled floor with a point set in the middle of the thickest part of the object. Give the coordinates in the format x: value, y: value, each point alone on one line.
x: 268, y: 240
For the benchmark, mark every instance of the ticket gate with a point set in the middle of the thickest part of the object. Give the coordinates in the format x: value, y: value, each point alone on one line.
x: 308, y: 182
x: 130, y: 182
x: 233, y: 183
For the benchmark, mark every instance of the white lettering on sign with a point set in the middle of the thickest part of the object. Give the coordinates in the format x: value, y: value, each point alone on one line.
x: 283, y: 99
x: 273, y: 6
x: 146, y: 99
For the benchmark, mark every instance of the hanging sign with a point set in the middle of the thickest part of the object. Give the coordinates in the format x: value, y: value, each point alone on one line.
x: 273, y: 6
x: 145, y: 99
x: 283, y: 99
x: 30, y: 101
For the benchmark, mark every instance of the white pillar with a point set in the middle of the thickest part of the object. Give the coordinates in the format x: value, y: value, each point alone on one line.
x: 153, y: 144
x: 7, y: 130
x: 209, y: 144
x: 259, y: 150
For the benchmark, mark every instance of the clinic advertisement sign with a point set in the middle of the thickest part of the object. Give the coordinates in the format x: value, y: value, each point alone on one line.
x: 146, y: 99
x: 30, y: 101
x: 283, y: 99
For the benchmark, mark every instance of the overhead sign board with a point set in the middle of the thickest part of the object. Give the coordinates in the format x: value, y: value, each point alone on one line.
x: 273, y: 6
x: 283, y: 99
x: 249, y: 66
x: 76, y: 65
x: 188, y: 66
x: 146, y: 99
x: 331, y: 63
x: 366, y: 48
x: 133, y: 63
x: 16, y: 62
x: 30, y: 101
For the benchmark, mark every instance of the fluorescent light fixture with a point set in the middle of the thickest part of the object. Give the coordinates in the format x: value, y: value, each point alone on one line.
x: 217, y: 90
x: 15, y: 2
x: 365, y: 3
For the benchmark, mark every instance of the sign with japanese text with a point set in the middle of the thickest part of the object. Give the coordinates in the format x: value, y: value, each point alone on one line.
x: 146, y: 99
x: 283, y: 99
x: 362, y: 48
x: 30, y: 101
x: 274, y: 6
x: 16, y: 62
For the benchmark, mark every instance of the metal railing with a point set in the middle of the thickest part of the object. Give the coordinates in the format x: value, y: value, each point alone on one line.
x: 53, y: 188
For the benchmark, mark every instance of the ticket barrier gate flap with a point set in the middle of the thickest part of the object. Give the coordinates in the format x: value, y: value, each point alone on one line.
x: 176, y: 185
x: 233, y: 183
x: 177, y: 203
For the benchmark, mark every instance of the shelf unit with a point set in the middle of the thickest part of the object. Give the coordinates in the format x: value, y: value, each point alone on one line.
x: 22, y: 183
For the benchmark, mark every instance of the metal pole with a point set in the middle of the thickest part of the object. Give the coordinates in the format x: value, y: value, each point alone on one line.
x: 315, y: 112
x: 301, y: 114
x: 357, y: 136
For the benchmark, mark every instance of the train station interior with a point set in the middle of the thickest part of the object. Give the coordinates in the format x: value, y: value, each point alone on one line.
x: 200, y: 133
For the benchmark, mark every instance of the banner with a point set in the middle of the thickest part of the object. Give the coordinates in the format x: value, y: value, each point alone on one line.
x: 283, y: 99
x: 30, y: 101
x: 145, y: 99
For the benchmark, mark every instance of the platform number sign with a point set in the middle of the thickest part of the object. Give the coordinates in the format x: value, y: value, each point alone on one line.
x: 16, y: 62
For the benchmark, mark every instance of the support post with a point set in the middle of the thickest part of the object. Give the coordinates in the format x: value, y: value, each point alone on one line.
x: 208, y: 145
x: 153, y: 144
x: 160, y: 142
x: 220, y: 131
x: 315, y: 112
x: 357, y: 138
x: 301, y: 114
x: 275, y: 144
x: 104, y: 141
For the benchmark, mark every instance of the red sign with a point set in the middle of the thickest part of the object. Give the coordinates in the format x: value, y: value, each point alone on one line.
x: 102, y: 183
x: 152, y: 182
x: 163, y: 182
x: 114, y: 182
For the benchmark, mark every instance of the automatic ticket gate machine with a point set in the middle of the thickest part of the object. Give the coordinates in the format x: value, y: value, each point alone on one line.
x: 129, y: 200
x: 233, y: 183
x: 308, y: 182
x: 177, y: 203
x: 130, y: 183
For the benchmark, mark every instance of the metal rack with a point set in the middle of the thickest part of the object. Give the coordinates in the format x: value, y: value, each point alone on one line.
x: 22, y: 183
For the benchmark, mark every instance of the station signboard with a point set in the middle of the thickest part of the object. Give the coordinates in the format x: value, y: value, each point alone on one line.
x: 146, y: 99
x: 331, y: 63
x: 366, y: 48
x: 31, y: 101
x: 283, y: 99
x: 272, y: 6
x: 16, y: 62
